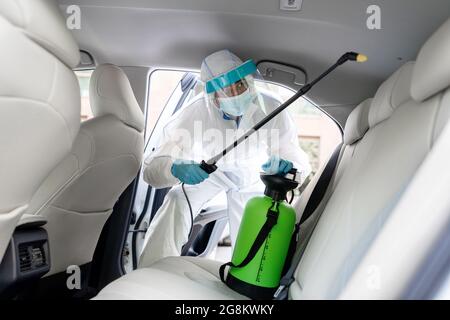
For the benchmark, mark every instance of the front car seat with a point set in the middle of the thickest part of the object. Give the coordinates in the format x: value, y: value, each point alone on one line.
x: 39, y: 102
x: 79, y: 195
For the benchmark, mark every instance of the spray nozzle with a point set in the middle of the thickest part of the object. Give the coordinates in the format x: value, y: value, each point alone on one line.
x: 361, y: 58
x: 352, y: 56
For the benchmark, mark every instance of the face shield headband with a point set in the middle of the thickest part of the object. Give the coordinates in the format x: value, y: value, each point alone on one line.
x: 230, y: 77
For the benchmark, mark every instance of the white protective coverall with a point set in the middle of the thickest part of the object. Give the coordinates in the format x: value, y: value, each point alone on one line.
x: 197, y: 132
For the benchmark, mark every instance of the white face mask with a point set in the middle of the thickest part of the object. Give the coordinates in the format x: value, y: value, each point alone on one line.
x: 237, y: 105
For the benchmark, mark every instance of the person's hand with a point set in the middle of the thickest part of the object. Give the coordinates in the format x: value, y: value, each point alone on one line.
x: 276, y: 165
x: 188, y: 172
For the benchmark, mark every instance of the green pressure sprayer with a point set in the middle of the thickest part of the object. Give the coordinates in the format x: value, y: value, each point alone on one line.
x: 263, y: 240
x: 268, y: 228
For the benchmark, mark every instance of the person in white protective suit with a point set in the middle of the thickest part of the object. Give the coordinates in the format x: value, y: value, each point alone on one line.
x: 230, y: 105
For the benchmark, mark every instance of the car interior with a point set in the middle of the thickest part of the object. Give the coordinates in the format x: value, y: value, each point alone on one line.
x: 73, y: 196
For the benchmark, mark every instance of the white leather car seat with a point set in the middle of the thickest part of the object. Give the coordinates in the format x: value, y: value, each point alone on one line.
x: 406, y: 117
x: 39, y: 102
x: 78, y: 196
x: 194, y: 278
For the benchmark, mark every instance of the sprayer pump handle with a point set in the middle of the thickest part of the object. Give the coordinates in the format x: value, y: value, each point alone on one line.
x: 208, y: 168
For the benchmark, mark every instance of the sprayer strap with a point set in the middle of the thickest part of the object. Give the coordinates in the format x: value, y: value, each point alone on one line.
x: 271, y: 221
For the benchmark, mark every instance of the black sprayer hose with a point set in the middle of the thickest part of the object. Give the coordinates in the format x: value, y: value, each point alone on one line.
x: 190, y: 210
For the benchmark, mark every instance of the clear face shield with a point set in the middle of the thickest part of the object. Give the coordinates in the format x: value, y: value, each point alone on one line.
x: 236, y: 91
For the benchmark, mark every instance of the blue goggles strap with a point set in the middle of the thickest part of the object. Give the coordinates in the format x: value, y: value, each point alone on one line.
x: 230, y: 77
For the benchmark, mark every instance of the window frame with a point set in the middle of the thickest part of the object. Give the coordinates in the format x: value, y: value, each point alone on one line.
x: 310, y: 101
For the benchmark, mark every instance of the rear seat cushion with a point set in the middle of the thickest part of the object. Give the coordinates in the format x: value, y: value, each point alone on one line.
x: 357, y: 123
x: 184, y: 278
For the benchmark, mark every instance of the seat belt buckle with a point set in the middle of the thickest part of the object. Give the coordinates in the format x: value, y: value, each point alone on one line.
x: 278, y: 292
x: 284, y: 284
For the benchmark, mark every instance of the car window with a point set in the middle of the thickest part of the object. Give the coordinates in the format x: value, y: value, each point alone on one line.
x: 318, y: 134
x: 162, y: 85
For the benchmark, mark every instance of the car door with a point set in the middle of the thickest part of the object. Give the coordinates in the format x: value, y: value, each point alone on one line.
x: 148, y: 200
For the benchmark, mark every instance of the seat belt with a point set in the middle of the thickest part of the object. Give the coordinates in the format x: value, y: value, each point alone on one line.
x: 322, y: 185
x: 313, y: 202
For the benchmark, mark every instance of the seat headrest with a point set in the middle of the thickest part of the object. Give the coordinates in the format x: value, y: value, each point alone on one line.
x: 432, y: 71
x: 42, y: 22
x: 111, y: 93
x: 357, y: 122
x: 391, y: 94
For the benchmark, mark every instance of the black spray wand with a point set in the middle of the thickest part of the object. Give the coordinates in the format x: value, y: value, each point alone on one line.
x: 210, y: 165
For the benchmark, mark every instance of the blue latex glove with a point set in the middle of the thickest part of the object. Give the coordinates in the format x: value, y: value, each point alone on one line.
x: 276, y: 165
x: 188, y: 172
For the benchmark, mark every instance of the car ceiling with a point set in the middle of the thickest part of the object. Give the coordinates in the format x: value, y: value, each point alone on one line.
x: 179, y: 33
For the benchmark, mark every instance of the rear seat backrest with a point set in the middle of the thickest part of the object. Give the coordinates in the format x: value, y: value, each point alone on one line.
x: 357, y: 123
x: 400, y: 136
x: 431, y: 76
x: 431, y: 87
x: 356, y: 126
